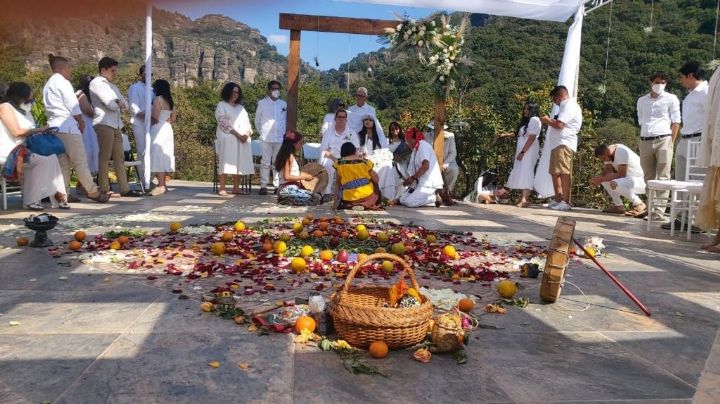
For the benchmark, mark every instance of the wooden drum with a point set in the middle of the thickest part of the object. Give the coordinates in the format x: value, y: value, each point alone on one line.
x: 557, y: 259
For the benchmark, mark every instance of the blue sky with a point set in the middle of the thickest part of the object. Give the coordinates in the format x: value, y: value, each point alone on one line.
x: 331, y: 49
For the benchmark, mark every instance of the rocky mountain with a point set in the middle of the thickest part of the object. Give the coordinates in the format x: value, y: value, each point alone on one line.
x: 212, y: 47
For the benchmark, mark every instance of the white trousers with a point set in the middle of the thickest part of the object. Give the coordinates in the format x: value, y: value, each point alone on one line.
x: 629, y: 187
x: 419, y: 197
x: 269, y: 152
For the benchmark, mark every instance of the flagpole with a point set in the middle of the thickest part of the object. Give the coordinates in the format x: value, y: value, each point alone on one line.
x: 148, y: 92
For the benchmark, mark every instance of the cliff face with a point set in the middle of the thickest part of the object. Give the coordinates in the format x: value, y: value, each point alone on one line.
x: 212, y: 47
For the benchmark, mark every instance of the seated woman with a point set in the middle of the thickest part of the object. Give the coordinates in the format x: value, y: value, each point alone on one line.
x: 356, y: 180
x: 290, y: 190
x: 424, y: 183
x: 486, y: 190
x: 41, y: 176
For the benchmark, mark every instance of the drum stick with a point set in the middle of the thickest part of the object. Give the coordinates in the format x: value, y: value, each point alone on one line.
x: 614, y: 279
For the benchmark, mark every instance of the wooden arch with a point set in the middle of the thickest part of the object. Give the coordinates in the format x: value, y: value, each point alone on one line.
x: 361, y: 26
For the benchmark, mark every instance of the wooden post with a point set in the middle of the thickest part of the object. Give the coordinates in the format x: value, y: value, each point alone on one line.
x: 439, y: 123
x: 293, y: 79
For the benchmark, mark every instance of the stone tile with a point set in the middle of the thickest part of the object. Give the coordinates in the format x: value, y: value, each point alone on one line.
x: 39, y: 368
x: 173, y: 367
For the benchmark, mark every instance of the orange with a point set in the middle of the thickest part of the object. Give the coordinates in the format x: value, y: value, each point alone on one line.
x: 80, y: 235
x: 267, y: 245
x: 378, y: 349
x: 388, y: 266
x: 218, y: 248
x: 362, y: 234
x: 507, y: 289
x: 226, y: 236
x: 304, y: 323
x: 115, y: 245
x: 344, y: 234
x: 382, y: 237
x: 318, y: 233
x: 326, y: 255
x: 324, y: 225
x: 22, y: 241
x: 398, y: 248
x: 450, y: 251
x: 466, y: 304
x: 298, y: 227
x: 298, y: 264
x: 240, y: 225
x: 361, y: 227
x: 206, y: 306
x: 307, y: 251
x: 123, y: 240
x: 309, y: 216
x: 279, y: 247
x: 338, y: 220
x: 75, y: 245
x: 306, y: 221
x: 175, y: 226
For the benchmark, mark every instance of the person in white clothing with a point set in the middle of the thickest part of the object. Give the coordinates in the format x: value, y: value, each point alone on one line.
x: 41, y: 176
x: 358, y: 112
x: 450, y: 169
x: 88, y: 113
x: 329, y: 118
x: 622, y: 176
x: 330, y: 145
x: 270, y: 122
x: 522, y: 176
x: 63, y: 111
x: 162, y: 148
x: 109, y: 103
x: 232, y: 142
x: 425, y: 182
x: 693, y: 113
x: 562, y: 134
x: 137, y: 100
x: 659, y: 118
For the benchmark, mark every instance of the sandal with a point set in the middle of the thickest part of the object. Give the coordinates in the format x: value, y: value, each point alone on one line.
x: 224, y: 193
x: 63, y: 205
x: 34, y: 206
x: 100, y: 197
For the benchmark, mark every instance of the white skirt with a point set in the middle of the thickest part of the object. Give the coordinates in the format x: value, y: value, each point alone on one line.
x: 543, y: 181
x: 234, y: 158
x: 42, y: 178
x: 522, y: 175
x: 90, y: 141
x: 162, y: 149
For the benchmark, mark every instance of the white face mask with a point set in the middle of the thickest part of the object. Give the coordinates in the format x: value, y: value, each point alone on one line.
x: 26, y: 106
x: 275, y: 93
x: 658, y: 88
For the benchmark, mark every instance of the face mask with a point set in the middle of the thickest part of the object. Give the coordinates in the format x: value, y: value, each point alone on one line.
x: 26, y: 106
x: 658, y: 88
x: 275, y: 93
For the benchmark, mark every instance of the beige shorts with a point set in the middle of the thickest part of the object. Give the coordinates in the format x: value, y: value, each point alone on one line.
x: 561, y: 160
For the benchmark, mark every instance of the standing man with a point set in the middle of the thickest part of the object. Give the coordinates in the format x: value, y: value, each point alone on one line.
x: 331, y: 144
x: 270, y: 121
x: 693, y: 113
x: 63, y: 111
x: 136, y: 98
x: 659, y: 119
x: 357, y: 112
x: 562, y: 135
x: 109, y: 103
x: 450, y: 169
x: 621, y: 176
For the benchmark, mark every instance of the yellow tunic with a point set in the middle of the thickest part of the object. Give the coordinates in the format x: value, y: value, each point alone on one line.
x: 349, y: 170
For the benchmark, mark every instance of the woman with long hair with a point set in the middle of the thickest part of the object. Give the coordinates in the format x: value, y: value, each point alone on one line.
x: 370, y: 140
x: 41, y: 176
x: 396, y: 135
x: 162, y: 148
x: 291, y: 191
x: 522, y: 175
x: 232, y: 142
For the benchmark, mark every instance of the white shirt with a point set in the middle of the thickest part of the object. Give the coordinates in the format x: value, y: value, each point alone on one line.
x: 136, y: 98
x: 693, y: 109
x: 61, y: 104
x: 7, y: 140
x: 623, y: 155
x: 571, y: 115
x: 449, y: 149
x: 656, y: 115
x: 328, y: 122
x: 103, y: 95
x: 432, y: 178
x: 333, y: 141
x: 271, y: 119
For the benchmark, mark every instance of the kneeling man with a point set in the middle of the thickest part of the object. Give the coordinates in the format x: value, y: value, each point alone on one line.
x: 622, y: 176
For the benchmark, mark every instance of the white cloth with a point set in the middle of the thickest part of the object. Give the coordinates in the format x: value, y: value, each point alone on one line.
x: 693, y: 109
x: 162, y: 148
x: 61, y: 104
x: 709, y: 152
x: 571, y: 115
x: 522, y: 175
x: 271, y: 119
x: 136, y: 99
x: 423, y: 192
x: 104, y: 96
x: 332, y: 142
x: 369, y: 147
x: 382, y: 160
x: 294, y: 170
x: 269, y: 152
x: 356, y: 115
x: 234, y: 158
x: 543, y: 180
x: 655, y: 115
x: 328, y: 122
x: 90, y: 141
x: 42, y: 177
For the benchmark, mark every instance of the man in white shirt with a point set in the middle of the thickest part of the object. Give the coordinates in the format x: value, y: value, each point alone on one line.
x: 63, y: 111
x: 659, y: 119
x: 693, y: 113
x: 622, y: 176
x: 562, y: 134
x: 270, y: 121
x: 109, y: 104
x: 330, y: 145
x: 136, y: 98
x: 358, y: 112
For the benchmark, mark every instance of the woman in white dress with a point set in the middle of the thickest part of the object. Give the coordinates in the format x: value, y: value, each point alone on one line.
x: 374, y: 147
x: 88, y: 113
x: 232, y: 142
x: 522, y: 176
x: 162, y: 148
x: 41, y: 176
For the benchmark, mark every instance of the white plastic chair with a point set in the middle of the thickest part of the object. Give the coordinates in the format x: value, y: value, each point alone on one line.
x: 132, y: 164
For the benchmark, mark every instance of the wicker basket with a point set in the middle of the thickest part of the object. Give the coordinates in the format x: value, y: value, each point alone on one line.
x: 360, y: 318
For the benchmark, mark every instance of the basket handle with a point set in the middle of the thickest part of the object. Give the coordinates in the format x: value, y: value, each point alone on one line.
x: 391, y: 257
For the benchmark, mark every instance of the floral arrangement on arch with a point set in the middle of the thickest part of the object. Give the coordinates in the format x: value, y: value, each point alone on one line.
x: 438, y: 44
